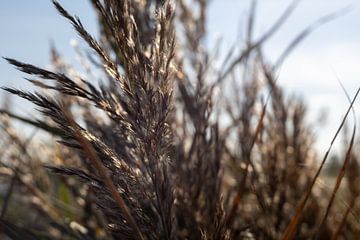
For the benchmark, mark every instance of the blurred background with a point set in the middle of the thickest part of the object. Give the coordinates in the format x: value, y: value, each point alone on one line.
x: 330, y: 54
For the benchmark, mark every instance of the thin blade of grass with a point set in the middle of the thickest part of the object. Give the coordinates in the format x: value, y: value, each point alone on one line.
x: 308, y: 30
x: 344, y: 166
x: 343, y: 220
x: 291, y: 228
x: 338, y: 180
x: 251, y: 21
x: 91, y: 154
x: 273, y: 29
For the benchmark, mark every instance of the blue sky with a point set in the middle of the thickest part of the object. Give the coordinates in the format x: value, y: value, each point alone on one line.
x: 27, y: 27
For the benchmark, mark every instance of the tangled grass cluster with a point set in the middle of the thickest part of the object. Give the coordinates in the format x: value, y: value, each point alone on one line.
x: 168, y: 144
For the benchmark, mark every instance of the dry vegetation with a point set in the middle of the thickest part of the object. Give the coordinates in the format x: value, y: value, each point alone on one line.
x: 168, y: 144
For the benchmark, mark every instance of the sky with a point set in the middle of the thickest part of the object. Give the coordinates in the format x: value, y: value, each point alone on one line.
x: 331, y: 52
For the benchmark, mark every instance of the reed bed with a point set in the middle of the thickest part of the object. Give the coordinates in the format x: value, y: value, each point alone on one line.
x: 159, y: 141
